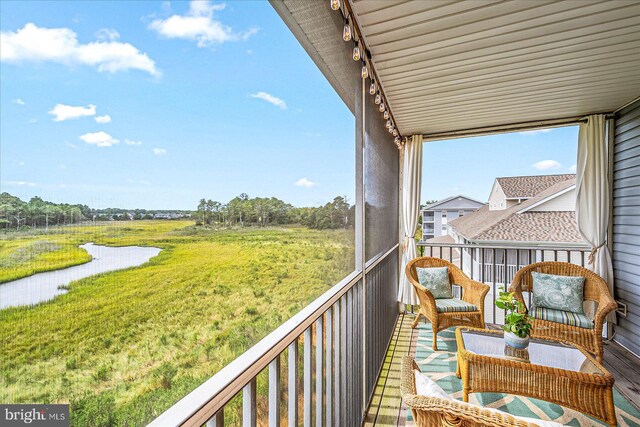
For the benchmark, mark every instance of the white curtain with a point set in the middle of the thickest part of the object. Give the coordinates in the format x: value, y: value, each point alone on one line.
x: 593, y: 195
x: 411, y: 184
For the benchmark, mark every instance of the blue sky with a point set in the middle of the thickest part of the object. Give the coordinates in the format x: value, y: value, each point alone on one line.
x: 195, y: 103
x: 471, y: 165
x: 158, y: 104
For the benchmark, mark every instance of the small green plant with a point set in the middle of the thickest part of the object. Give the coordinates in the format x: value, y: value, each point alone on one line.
x: 72, y: 363
x: 515, y: 320
x: 101, y: 374
x: 166, y: 372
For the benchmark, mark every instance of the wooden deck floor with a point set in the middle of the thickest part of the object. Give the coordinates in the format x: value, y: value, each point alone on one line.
x: 387, y: 409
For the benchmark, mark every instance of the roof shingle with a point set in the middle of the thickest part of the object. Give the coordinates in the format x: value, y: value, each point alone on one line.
x: 508, y: 224
x: 520, y: 187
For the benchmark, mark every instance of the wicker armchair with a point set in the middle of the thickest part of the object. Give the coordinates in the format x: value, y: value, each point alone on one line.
x: 472, y: 292
x: 433, y: 411
x: 595, y: 289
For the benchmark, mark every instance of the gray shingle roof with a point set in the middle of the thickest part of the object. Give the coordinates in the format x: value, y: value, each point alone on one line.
x: 508, y: 224
x: 516, y: 187
x: 459, y: 196
x: 559, y: 226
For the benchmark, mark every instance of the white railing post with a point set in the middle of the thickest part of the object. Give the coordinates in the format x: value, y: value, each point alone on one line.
x: 329, y: 366
x: 274, y: 392
x: 306, y: 365
x: 249, y: 404
x: 319, y: 372
x: 292, y: 398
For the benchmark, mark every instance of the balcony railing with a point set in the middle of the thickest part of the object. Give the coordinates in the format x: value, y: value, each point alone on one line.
x: 344, y: 335
x: 497, y: 265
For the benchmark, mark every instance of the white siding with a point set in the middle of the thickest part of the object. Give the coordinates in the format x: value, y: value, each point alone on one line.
x: 564, y: 202
x: 497, y: 199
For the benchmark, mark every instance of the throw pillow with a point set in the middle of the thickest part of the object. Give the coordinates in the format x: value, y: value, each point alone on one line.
x: 436, y: 280
x: 558, y: 292
x: 425, y: 386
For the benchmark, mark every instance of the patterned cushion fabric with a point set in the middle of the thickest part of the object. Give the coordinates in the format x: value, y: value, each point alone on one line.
x: 436, y: 280
x: 558, y: 292
x: 559, y: 316
x: 449, y: 305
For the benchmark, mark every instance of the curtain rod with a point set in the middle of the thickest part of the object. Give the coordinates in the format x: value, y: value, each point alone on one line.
x: 513, y: 127
x: 606, y: 116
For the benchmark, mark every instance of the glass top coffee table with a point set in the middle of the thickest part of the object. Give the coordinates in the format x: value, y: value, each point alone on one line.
x: 554, y: 371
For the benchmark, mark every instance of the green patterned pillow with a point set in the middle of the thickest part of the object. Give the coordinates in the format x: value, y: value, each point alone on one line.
x: 558, y: 292
x: 435, y: 279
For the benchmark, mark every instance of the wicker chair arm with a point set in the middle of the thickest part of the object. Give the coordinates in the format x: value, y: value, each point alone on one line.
x: 473, y: 292
x: 516, y: 284
x: 605, y: 306
x: 424, y: 295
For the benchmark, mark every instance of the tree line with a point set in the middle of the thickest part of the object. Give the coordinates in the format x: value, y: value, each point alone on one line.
x: 239, y: 211
x: 261, y: 211
x: 15, y: 213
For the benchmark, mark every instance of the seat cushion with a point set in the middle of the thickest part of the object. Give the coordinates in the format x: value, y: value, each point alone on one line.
x: 559, y: 316
x: 449, y: 305
x: 436, y: 280
x: 558, y: 292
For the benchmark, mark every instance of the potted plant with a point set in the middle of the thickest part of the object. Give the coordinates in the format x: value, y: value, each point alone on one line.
x: 517, y: 325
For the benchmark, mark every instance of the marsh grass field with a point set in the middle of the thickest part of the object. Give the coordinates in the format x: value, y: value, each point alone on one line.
x: 123, y: 346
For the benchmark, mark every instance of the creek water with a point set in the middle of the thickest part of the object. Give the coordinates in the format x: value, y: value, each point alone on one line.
x: 46, y: 286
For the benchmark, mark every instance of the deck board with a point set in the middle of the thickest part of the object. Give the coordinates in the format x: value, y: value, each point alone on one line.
x: 386, y: 408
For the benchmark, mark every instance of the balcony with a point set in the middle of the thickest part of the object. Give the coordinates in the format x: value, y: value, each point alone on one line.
x: 337, y: 361
x: 387, y: 408
x: 318, y: 367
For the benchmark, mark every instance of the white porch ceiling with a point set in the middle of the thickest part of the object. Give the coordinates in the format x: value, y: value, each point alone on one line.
x: 452, y: 65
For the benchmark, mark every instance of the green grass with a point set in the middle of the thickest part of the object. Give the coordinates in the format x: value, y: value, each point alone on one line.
x: 24, y: 257
x: 124, y: 346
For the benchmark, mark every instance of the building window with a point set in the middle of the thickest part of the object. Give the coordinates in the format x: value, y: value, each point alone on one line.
x: 460, y: 213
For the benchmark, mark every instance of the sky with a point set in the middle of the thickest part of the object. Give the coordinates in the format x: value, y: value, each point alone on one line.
x: 471, y: 165
x: 159, y: 104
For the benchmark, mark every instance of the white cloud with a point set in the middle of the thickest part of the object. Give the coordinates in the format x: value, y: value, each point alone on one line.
x: 107, y: 34
x: 22, y: 183
x: 278, y: 102
x: 535, y: 132
x: 100, y: 139
x: 132, y: 142
x: 32, y: 121
x: 159, y: 151
x: 103, y: 119
x: 35, y: 44
x: 572, y: 168
x: 72, y: 146
x: 547, y: 165
x: 199, y: 24
x: 143, y: 182
x: 20, y: 163
x: 304, y: 182
x: 67, y: 112
x: 18, y: 101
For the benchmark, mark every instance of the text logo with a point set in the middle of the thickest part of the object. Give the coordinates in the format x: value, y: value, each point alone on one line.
x: 34, y: 415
